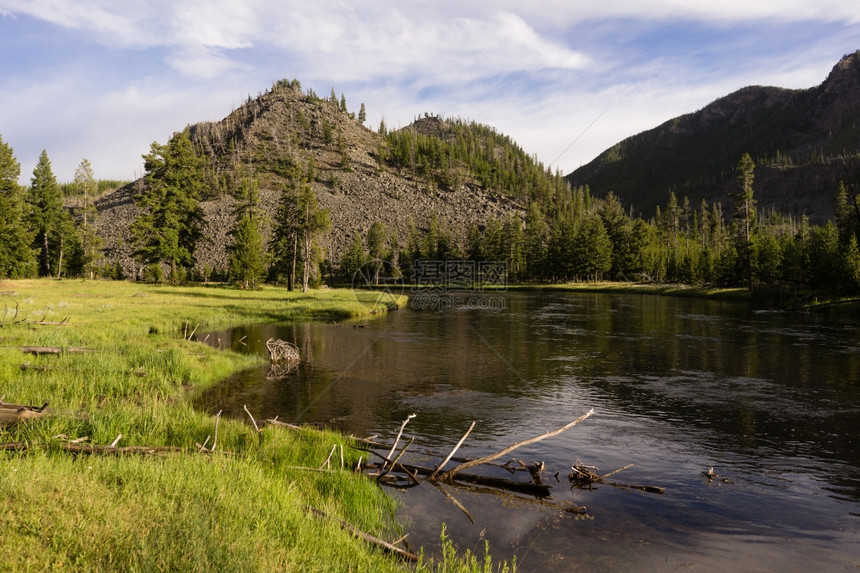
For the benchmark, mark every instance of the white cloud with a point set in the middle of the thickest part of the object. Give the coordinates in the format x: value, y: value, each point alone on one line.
x: 539, y: 71
x: 200, y: 62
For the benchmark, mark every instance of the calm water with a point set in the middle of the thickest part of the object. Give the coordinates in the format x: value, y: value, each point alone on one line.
x: 770, y: 401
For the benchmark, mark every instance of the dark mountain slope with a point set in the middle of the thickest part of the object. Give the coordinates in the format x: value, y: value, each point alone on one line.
x: 801, y: 140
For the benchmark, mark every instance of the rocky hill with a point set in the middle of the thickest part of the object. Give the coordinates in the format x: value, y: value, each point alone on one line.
x: 285, y: 128
x: 801, y: 140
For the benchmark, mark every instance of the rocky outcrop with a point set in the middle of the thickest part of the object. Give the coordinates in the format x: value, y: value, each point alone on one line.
x: 282, y: 130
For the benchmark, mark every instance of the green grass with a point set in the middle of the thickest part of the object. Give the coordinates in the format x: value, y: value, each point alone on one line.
x: 680, y: 290
x: 242, y: 508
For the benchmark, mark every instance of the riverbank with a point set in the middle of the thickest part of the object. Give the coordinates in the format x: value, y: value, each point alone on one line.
x: 242, y: 506
x: 733, y: 294
x: 770, y: 298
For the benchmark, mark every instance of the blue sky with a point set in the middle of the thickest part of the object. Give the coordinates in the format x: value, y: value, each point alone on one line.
x: 103, y: 79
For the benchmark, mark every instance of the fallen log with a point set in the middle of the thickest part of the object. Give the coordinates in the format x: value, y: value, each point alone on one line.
x: 39, y: 350
x: 538, y: 490
x: 13, y: 446
x: 276, y: 422
x: 480, y: 461
x: 118, y: 451
x: 11, y: 414
x: 28, y: 366
x: 363, y: 535
x: 43, y: 322
x: 583, y: 476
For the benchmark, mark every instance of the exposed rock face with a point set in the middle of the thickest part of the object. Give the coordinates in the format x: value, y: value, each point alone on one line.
x: 282, y: 129
x: 801, y: 140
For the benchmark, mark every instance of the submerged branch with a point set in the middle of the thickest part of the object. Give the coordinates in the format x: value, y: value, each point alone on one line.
x: 480, y: 461
x: 453, y: 451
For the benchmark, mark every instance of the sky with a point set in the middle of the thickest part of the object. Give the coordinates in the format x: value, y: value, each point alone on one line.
x: 565, y: 79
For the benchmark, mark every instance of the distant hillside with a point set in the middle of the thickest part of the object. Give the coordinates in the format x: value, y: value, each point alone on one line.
x: 461, y: 172
x: 801, y: 140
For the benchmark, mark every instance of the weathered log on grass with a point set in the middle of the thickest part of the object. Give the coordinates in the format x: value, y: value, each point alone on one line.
x: 11, y: 414
x: 119, y: 451
x: 28, y: 366
x: 13, y: 447
x: 39, y: 350
x: 318, y: 513
x: 43, y: 322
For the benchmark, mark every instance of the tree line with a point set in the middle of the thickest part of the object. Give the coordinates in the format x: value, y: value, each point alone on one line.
x: 39, y: 234
x: 562, y: 234
x: 568, y: 235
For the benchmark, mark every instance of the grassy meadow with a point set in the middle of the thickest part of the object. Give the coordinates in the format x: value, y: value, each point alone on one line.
x: 243, y: 507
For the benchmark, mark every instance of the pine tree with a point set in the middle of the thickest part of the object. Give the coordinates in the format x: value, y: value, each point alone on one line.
x: 284, y: 246
x: 846, y: 215
x: 90, y: 242
x: 536, y: 240
x: 352, y: 260
x: 851, y: 258
x: 825, y: 260
x: 47, y: 216
x: 169, y: 226
x: 362, y: 114
x: 377, y: 246
x: 298, y: 224
x: 247, y: 263
x: 16, y: 258
x: 619, y: 229
x: 512, y: 240
x: 592, y: 250
x: 313, y: 221
x: 744, y: 215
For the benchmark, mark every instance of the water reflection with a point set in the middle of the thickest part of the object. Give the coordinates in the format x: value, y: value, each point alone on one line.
x: 770, y: 400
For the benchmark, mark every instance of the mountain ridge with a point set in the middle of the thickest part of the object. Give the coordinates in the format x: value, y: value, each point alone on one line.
x: 802, y: 142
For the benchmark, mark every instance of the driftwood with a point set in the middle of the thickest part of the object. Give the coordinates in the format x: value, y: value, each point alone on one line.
x: 450, y: 474
x: 280, y: 370
x: 282, y: 351
x: 11, y: 414
x: 12, y: 320
x: 534, y: 488
x: 362, y: 535
x: 13, y: 446
x: 28, y: 366
x: 15, y: 320
x: 538, y: 490
x: 583, y: 476
x: 276, y: 422
x: 118, y: 451
x: 452, y: 452
x: 43, y: 322
x: 52, y: 350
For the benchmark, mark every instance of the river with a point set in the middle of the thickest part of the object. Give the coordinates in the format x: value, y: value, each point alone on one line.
x: 769, y: 402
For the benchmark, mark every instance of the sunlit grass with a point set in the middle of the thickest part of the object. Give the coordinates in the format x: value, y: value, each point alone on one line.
x: 717, y: 293
x: 243, y: 507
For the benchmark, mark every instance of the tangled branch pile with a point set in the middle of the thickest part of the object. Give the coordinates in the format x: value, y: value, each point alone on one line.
x: 282, y: 351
